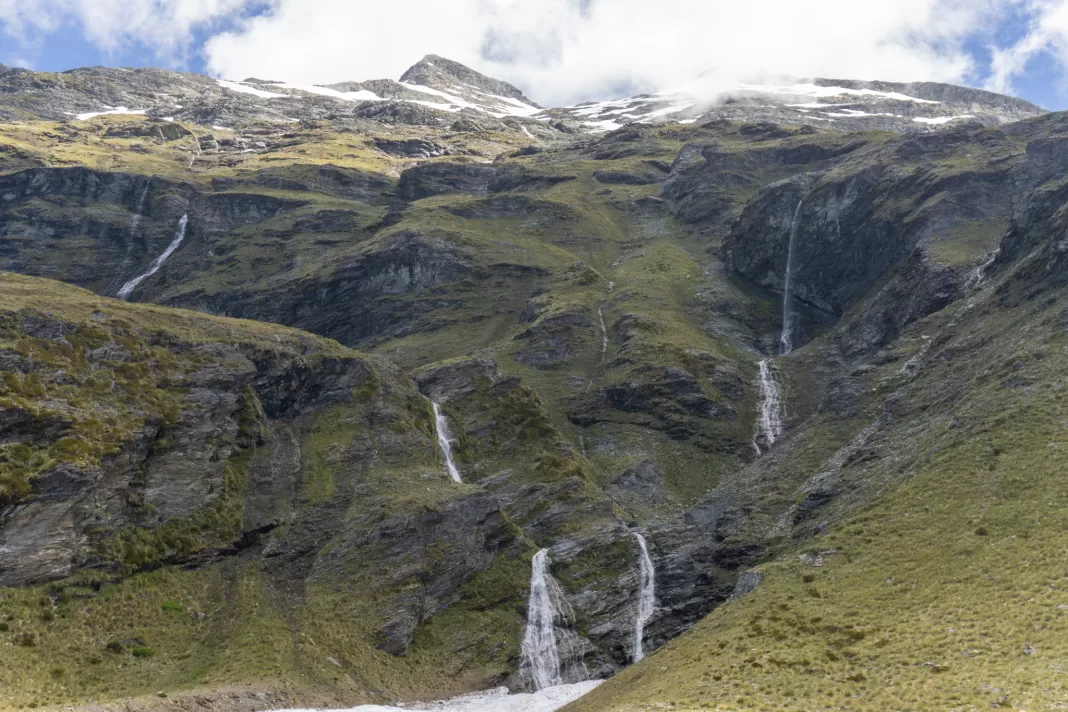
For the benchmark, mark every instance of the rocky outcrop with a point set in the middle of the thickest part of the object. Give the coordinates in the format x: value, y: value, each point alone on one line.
x: 427, y: 557
x: 430, y: 179
x: 855, y: 225
x: 179, y: 465
x: 111, y: 226
x: 549, y: 341
x: 362, y: 186
x: 375, y: 281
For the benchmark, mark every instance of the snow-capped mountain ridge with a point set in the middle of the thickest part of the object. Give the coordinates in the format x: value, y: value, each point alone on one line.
x: 437, y: 92
x: 848, y: 103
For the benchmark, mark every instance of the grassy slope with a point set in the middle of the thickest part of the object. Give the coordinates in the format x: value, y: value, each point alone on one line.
x: 947, y: 591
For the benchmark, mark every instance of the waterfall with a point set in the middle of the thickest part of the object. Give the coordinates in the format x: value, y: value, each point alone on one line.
x: 442, y: 427
x: 604, y: 334
x: 786, y: 341
x: 128, y: 288
x: 140, y: 209
x: 646, y: 597
x: 133, y: 232
x: 769, y: 425
x: 542, y: 659
x: 975, y: 280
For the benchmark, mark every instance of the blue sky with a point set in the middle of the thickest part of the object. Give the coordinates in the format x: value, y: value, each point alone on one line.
x: 557, y: 50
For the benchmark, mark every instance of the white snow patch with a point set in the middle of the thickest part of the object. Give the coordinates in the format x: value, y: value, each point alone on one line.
x: 817, y: 91
x: 435, y: 92
x: 666, y: 110
x: 515, y: 106
x: 854, y: 113
x: 820, y: 105
x: 435, y: 105
x: 526, y: 131
x: 362, y: 95
x: 246, y: 89
x: 603, y: 107
x: 110, y: 112
x: 500, y: 107
x: 940, y: 120
x: 498, y: 700
x: 602, y: 125
x: 688, y: 121
x: 220, y: 128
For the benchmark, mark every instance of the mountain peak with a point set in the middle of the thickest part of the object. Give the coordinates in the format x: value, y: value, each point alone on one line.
x: 445, y: 74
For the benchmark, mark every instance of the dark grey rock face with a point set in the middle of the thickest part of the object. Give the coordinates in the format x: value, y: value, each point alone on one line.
x: 625, y: 178
x: 456, y: 380
x: 111, y: 226
x: 857, y: 223
x: 427, y: 557
x: 170, y: 471
x: 549, y: 341
x: 643, y: 480
x: 668, y: 393
x: 430, y: 179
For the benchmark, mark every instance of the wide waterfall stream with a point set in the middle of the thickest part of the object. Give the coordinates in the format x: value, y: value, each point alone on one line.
x: 542, y: 659
x: 769, y: 424
x: 441, y: 425
x: 127, y: 289
x: 646, y: 597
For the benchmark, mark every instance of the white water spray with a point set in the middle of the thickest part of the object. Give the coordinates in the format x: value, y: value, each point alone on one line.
x: 541, y: 655
x: 646, y: 597
x: 441, y: 425
x: 128, y: 288
x: 786, y: 340
x: 769, y: 425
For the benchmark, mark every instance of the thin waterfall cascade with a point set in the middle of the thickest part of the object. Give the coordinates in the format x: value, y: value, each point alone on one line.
x: 140, y: 210
x: 604, y: 334
x: 646, y: 597
x: 135, y: 222
x: 441, y: 425
x: 769, y: 424
x: 975, y: 280
x: 547, y: 650
x: 786, y: 340
x: 127, y: 289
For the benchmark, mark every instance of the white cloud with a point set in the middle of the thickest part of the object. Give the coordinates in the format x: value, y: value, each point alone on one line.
x: 564, y: 51
x: 163, y: 26
x: 1047, y: 32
